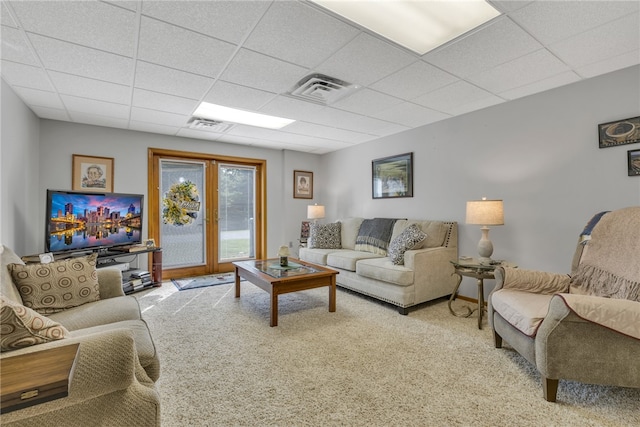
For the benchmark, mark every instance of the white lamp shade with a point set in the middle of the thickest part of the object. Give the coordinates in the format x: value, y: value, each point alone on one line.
x: 485, y: 212
x: 315, y: 212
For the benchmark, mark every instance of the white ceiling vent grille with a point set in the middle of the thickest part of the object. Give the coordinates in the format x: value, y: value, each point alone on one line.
x: 322, y: 89
x: 209, y: 125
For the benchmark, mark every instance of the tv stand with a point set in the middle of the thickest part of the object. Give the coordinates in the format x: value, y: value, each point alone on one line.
x: 130, y: 284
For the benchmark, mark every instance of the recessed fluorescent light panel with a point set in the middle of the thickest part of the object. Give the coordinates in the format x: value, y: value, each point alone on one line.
x: 418, y: 25
x: 226, y: 114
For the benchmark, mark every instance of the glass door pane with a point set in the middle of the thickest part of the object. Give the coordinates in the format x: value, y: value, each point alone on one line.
x: 182, y: 221
x: 235, y: 212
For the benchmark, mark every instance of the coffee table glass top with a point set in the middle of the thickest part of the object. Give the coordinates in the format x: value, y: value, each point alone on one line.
x: 273, y: 268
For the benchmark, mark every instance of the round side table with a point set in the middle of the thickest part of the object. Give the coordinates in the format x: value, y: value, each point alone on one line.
x: 472, y: 267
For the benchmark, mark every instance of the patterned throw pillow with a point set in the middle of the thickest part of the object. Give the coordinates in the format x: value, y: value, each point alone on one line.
x: 23, y: 327
x: 54, y: 287
x: 325, y: 236
x: 410, y: 238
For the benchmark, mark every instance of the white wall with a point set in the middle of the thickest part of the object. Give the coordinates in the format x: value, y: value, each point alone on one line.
x: 539, y: 154
x: 21, y: 227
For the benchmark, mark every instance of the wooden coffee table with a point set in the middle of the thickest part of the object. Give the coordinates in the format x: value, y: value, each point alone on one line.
x: 269, y: 276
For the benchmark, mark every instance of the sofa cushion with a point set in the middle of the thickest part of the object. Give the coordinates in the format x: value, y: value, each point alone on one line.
x: 436, y: 231
x: 374, y: 235
x: 23, y: 327
x: 349, y: 233
x: 50, y: 288
x: 316, y: 256
x: 383, y: 269
x: 346, y: 259
x: 325, y: 236
x: 523, y: 310
x: 7, y: 288
x: 101, y: 312
x: 410, y: 238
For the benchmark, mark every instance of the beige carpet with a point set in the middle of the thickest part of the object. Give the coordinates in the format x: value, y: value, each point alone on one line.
x: 364, y: 365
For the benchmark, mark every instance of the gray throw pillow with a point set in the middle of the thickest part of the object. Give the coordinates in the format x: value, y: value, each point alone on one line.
x: 411, y: 237
x: 325, y: 236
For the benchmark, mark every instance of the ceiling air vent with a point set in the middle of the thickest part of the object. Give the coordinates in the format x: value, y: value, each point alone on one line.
x: 209, y: 125
x: 322, y: 89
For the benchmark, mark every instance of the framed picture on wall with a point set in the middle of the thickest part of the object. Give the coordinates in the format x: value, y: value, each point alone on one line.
x: 633, y: 162
x: 392, y: 176
x: 91, y: 173
x: 302, y: 185
x: 620, y: 132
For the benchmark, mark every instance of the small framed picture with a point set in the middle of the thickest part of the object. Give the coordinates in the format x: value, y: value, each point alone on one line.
x: 302, y: 185
x: 620, y: 132
x: 633, y: 162
x: 392, y: 176
x: 150, y: 243
x: 92, y: 173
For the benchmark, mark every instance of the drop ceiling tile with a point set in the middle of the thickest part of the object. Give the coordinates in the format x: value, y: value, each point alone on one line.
x: 492, y: 45
x: 528, y: 69
x: 131, y: 5
x: 159, y: 117
x: 258, y: 133
x: 365, y: 60
x: 541, y: 85
x: 476, y: 105
x: 509, y: 5
x: 450, y: 98
x: 291, y: 108
x: 272, y: 75
x: 163, y: 102
x: 607, y: 41
x: 50, y: 113
x: 298, y: 33
x: 174, y: 47
x: 366, y: 102
x: 93, y: 24
x: 414, y: 80
x: 552, y: 21
x: 412, y: 115
x: 387, y: 129
x: 91, y: 106
x: 346, y: 120
x: 82, y: 61
x: 16, y: 48
x: 153, y: 128
x: 83, y: 87
x: 26, y: 76
x: 226, y: 20
x: 611, y: 64
x: 173, y: 82
x: 39, y: 98
x: 98, y: 120
x: 198, y: 134
x: 5, y: 16
x: 326, y: 132
x: 237, y: 96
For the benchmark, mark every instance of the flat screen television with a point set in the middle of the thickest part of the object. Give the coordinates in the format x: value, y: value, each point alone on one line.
x: 88, y: 222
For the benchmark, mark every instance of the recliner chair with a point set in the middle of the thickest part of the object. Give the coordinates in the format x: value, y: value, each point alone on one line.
x: 585, y: 326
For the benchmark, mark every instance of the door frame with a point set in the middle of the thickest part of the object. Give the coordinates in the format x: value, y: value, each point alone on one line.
x: 153, y: 206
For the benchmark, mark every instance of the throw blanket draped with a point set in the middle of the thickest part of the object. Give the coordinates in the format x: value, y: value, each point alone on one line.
x: 374, y: 235
x: 610, y: 265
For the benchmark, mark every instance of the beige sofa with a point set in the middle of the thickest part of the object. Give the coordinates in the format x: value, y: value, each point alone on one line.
x: 426, y: 274
x: 113, y: 382
x: 584, y: 327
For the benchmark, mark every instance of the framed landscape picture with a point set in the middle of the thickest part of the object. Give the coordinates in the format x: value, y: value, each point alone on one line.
x: 91, y: 173
x: 620, y: 132
x: 392, y: 176
x: 302, y: 185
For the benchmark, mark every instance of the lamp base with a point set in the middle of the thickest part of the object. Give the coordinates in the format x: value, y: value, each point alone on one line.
x: 485, y: 247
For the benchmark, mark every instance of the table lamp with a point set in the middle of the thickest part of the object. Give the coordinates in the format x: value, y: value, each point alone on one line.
x: 485, y: 212
x: 315, y: 212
